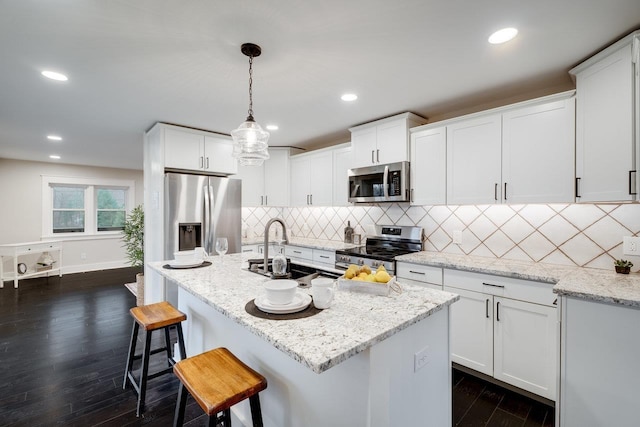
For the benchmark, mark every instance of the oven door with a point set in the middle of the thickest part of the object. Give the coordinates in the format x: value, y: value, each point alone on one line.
x: 380, y: 183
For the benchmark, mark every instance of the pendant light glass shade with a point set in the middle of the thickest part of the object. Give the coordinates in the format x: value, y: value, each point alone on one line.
x: 250, y: 143
x: 249, y: 139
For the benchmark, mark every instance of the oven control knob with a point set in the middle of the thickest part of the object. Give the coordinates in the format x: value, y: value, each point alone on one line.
x: 361, y: 261
x: 375, y: 263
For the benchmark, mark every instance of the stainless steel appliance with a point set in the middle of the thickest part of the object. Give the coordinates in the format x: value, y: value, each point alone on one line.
x: 380, y: 183
x: 199, y: 209
x: 382, y: 247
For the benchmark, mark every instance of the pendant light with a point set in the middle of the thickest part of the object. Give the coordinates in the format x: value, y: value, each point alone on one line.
x: 249, y: 139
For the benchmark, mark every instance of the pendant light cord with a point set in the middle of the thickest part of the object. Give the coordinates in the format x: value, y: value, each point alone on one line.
x: 250, y: 118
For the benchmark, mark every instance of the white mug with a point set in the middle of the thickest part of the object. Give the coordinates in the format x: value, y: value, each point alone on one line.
x: 322, y: 292
x: 200, y: 253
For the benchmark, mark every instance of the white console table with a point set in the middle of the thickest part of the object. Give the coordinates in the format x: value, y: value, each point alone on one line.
x: 16, y: 250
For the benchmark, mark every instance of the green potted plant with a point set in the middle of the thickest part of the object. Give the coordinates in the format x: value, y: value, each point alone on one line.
x: 133, y: 236
x: 623, y: 266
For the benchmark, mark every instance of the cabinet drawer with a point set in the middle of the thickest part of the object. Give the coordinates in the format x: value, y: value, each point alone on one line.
x: 38, y: 247
x: 524, y: 290
x: 324, y: 257
x: 298, y: 252
x: 419, y: 273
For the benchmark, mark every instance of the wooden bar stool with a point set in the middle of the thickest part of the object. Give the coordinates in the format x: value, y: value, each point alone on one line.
x: 218, y: 380
x: 152, y: 317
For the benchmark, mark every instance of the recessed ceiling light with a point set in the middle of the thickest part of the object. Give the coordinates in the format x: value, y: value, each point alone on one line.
x: 503, y: 35
x: 349, y: 97
x: 55, y: 76
x: 272, y: 127
x: 54, y: 156
x: 54, y: 137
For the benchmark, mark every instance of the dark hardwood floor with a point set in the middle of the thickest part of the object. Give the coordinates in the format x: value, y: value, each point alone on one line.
x: 63, y: 347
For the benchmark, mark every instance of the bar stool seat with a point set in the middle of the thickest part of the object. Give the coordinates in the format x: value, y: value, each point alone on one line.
x: 218, y: 380
x: 152, y: 317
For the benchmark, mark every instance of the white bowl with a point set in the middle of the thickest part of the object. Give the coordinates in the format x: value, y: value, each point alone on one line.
x: 281, y: 291
x: 184, y: 256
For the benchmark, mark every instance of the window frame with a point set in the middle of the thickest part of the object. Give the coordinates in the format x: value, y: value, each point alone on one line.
x: 90, y: 186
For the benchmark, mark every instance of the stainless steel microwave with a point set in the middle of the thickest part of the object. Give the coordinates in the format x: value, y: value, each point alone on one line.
x: 379, y: 183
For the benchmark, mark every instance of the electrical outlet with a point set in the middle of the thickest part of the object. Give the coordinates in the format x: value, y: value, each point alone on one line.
x: 631, y: 245
x: 457, y: 237
x: 420, y: 359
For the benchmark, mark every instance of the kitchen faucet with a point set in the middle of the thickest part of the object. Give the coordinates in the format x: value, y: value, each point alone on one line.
x: 285, y: 239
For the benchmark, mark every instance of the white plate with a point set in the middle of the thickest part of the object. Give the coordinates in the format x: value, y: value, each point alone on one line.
x: 185, y: 264
x: 299, y: 303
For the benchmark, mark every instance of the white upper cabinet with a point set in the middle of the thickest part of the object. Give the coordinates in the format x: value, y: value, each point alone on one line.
x: 267, y: 185
x: 607, y: 132
x: 312, y: 179
x: 194, y: 150
x: 342, y: 162
x: 428, y: 166
x: 537, y: 153
x: 383, y: 141
x: 473, y: 161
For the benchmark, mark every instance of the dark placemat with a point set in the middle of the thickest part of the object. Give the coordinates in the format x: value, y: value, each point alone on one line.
x: 253, y: 310
x: 204, y: 264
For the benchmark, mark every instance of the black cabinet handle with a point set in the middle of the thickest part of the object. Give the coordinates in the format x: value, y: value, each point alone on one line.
x: 505, y: 191
x: 417, y: 272
x: 491, y: 284
x: 487, y: 308
x: 630, y: 182
x: 495, y: 191
x: 498, y: 311
x: 372, y: 161
x: 578, y: 187
x: 555, y: 302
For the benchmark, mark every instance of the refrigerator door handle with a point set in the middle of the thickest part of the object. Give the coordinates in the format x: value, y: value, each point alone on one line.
x: 206, y: 217
x: 208, y: 225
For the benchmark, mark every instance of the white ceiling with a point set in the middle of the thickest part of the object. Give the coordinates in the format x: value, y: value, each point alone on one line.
x: 132, y: 63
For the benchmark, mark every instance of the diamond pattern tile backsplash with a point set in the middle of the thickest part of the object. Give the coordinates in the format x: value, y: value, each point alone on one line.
x: 586, y: 235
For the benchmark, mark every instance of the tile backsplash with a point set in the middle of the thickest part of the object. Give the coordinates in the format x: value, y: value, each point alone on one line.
x: 586, y: 235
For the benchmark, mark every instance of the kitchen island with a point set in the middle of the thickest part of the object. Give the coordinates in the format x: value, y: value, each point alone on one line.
x: 366, y: 361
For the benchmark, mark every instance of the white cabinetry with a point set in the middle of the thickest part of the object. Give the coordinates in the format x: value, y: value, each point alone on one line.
x: 521, y: 153
x: 428, y: 166
x: 18, y: 250
x: 312, y: 179
x: 342, y: 162
x: 417, y: 274
x: 383, y: 141
x: 608, y: 123
x: 190, y: 149
x: 505, y: 328
x: 267, y: 185
x: 311, y: 256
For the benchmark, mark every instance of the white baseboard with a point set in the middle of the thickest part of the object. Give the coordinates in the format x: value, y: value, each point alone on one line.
x: 83, y: 268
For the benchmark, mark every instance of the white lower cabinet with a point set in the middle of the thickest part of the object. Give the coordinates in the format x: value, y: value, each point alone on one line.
x: 505, y: 328
x: 421, y: 275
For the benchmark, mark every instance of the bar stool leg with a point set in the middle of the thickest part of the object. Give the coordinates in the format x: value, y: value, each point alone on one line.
x: 132, y: 351
x: 144, y: 373
x: 183, y: 350
x: 181, y: 405
x: 256, y: 413
x: 167, y: 343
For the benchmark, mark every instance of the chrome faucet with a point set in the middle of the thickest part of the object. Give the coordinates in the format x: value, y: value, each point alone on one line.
x: 285, y: 239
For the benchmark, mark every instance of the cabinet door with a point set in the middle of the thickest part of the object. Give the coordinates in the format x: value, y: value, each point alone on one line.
x: 300, y: 177
x: 252, y: 184
x: 473, y: 161
x: 183, y: 150
x: 276, y: 176
x: 218, y: 156
x: 526, y: 340
x: 391, y: 144
x: 342, y: 162
x: 472, y: 330
x: 604, y: 129
x: 364, y: 144
x: 428, y: 167
x: 321, y: 179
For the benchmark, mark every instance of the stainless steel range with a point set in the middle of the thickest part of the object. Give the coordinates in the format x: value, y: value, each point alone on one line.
x: 382, y: 247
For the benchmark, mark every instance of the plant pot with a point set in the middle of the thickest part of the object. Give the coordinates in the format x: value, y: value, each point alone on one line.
x: 622, y: 270
x: 140, y: 289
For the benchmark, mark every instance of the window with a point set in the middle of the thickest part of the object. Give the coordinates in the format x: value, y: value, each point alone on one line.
x: 85, y: 207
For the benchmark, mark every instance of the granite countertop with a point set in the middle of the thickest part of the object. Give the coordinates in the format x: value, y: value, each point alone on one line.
x: 327, y: 245
x: 355, y: 321
x: 586, y: 283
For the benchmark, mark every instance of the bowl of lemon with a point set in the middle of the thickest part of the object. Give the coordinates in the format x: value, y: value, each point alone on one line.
x: 361, y: 278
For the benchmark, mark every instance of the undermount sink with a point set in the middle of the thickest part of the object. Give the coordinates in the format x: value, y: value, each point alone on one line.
x: 300, y: 273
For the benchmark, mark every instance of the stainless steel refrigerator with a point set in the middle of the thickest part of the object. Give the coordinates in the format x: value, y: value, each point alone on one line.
x: 199, y: 209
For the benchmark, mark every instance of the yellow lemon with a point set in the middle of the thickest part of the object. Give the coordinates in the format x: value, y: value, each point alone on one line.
x: 370, y: 278
x: 365, y: 269
x: 382, y: 277
x: 381, y: 268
